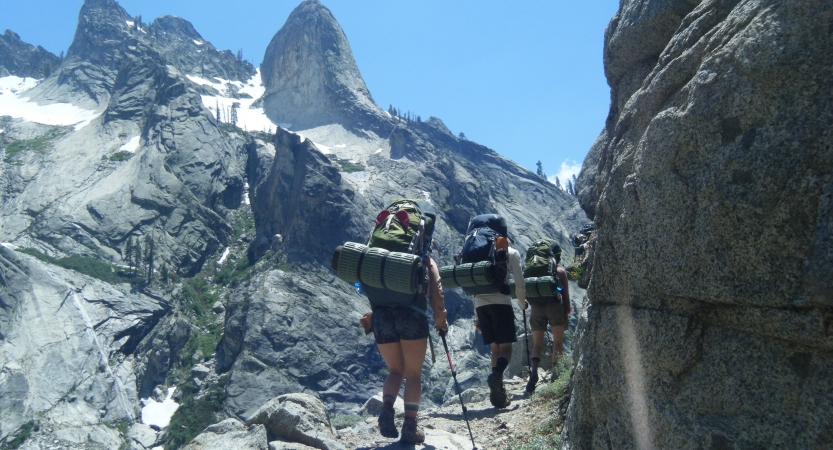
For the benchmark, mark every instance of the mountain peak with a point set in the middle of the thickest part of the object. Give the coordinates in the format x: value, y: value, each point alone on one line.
x: 310, y: 75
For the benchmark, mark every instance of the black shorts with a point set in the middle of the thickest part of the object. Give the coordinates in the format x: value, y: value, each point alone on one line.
x: 497, y: 323
x: 392, y: 324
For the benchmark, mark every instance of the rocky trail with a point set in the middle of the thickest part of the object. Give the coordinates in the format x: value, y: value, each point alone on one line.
x: 527, y: 418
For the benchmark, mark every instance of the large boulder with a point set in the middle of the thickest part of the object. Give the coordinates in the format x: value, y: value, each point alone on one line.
x: 710, y: 292
x: 230, y: 434
x: 297, y: 418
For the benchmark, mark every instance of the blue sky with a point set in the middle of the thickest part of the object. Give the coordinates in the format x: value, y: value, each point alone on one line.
x: 523, y: 78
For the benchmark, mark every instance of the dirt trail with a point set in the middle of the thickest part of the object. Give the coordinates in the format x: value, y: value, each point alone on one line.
x: 445, y: 427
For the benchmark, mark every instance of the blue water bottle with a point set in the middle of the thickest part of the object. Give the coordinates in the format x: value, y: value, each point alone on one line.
x: 359, y: 288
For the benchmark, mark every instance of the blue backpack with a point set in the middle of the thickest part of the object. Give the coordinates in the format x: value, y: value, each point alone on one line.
x: 487, y: 240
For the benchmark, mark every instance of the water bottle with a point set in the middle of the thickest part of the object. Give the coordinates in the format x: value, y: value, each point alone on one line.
x: 358, y: 288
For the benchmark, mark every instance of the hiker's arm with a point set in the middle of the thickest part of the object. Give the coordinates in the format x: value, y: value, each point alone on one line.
x: 565, y: 294
x: 518, y: 276
x: 435, y: 296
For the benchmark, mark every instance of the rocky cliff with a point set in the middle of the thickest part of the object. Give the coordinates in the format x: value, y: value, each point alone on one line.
x: 708, y: 322
x: 246, y: 221
x: 24, y: 60
x: 311, y: 77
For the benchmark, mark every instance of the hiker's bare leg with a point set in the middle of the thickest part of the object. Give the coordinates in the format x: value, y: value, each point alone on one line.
x: 498, y: 350
x: 537, y: 343
x: 395, y: 360
x: 414, y: 357
x: 557, y: 343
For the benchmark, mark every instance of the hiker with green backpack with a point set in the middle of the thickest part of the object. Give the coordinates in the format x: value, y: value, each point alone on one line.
x: 400, y: 279
x: 552, y: 306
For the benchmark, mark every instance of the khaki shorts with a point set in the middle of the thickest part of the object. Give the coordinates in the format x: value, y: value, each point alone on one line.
x: 551, y: 312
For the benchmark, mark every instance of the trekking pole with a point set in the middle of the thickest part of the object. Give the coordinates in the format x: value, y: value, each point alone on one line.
x: 457, y: 385
x: 526, y: 341
x: 431, y: 343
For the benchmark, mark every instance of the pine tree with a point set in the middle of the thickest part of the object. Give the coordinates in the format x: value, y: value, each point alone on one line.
x: 164, y: 272
x: 128, y: 253
x: 240, y: 55
x: 570, y: 187
x: 150, y: 254
x: 540, y: 169
x: 574, y: 186
x: 62, y: 55
x: 558, y: 183
x: 218, y: 112
x: 419, y: 119
x: 462, y: 136
x: 136, y: 258
x: 234, y: 107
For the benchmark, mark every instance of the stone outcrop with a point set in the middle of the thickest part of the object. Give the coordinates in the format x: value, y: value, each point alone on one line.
x: 230, y: 434
x: 297, y: 418
x: 64, y: 347
x: 182, y: 46
x: 173, y: 183
x: 24, y: 60
x: 710, y: 296
x: 311, y: 77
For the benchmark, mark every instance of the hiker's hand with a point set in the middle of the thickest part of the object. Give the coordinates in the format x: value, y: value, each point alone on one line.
x: 442, y: 329
x: 525, y: 305
x: 477, y: 324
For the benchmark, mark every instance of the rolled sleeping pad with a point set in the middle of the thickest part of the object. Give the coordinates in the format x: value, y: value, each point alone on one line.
x: 536, y: 287
x: 467, y: 275
x: 377, y: 267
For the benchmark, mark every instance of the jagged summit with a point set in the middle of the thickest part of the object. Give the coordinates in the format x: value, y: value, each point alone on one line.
x: 24, y: 60
x: 311, y: 77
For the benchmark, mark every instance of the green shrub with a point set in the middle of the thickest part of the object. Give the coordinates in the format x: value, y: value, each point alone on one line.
x: 198, y: 296
x: 39, y: 144
x: 536, y: 443
x: 121, y: 156
x: 351, y: 167
x: 194, y: 414
x: 574, y: 273
x: 95, y: 268
x: 25, y: 433
x: 340, y: 421
x: 230, y: 273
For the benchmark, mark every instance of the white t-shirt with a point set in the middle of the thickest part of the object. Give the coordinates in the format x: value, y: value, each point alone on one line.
x: 517, y: 273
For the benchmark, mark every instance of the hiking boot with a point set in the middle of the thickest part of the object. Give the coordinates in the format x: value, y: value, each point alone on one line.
x: 387, y: 426
x: 412, y: 433
x: 533, y: 380
x: 497, y: 393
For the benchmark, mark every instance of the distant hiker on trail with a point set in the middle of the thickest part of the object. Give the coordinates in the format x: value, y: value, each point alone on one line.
x: 542, y: 260
x: 487, y: 240
x: 396, y: 273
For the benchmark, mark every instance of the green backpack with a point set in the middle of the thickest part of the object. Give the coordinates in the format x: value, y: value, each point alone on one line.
x: 406, y: 226
x: 542, y: 261
x: 398, y: 227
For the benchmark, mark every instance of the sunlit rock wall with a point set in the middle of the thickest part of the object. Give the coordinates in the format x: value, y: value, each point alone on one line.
x: 710, y: 314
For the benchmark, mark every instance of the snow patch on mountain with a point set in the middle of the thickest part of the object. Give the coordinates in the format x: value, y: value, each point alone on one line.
x: 131, y: 146
x: 248, y: 117
x: 15, y: 103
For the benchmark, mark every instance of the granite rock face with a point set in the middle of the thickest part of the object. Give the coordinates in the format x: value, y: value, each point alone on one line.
x: 710, y: 296
x: 65, y: 344
x: 24, y: 60
x: 230, y: 434
x: 152, y: 164
x: 311, y: 77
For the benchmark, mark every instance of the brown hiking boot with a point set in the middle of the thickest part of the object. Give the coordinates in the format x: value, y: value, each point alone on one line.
x: 497, y: 393
x: 533, y: 381
x: 412, y: 433
x: 387, y: 426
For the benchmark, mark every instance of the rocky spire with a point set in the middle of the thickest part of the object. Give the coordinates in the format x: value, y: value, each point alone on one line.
x: 310, y: 75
